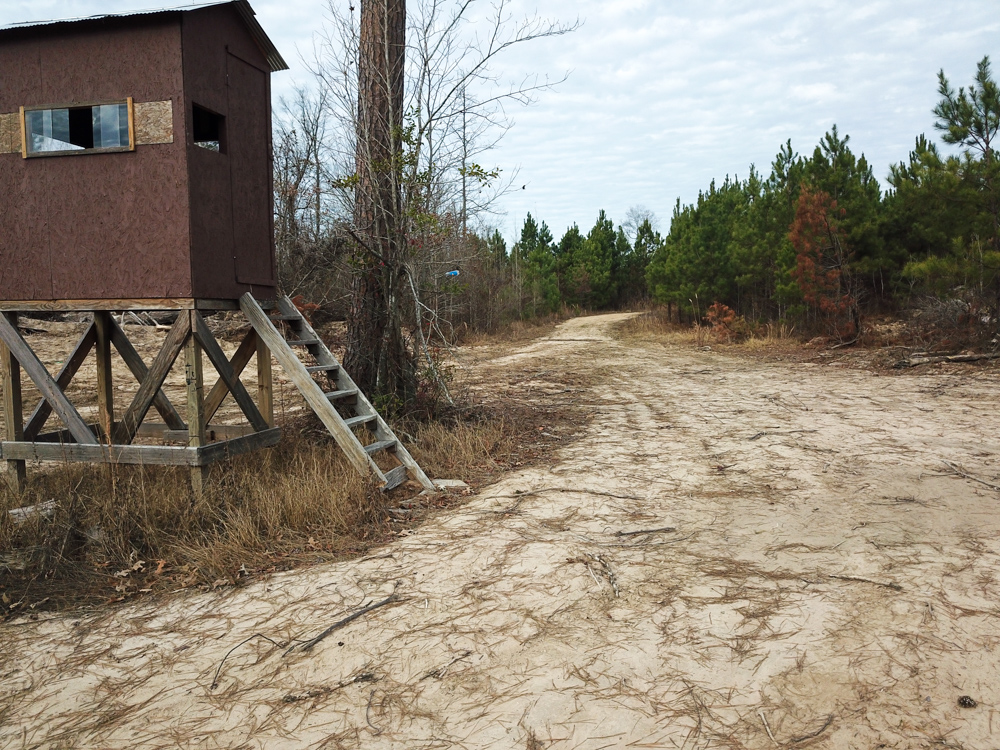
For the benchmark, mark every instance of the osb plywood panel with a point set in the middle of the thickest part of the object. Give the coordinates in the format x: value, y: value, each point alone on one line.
x: 10, y: 134
x: 121, y: 228
x: 219, y: 227
x: 249, y: 133
x: 104, y: 225
x: 154, y: 122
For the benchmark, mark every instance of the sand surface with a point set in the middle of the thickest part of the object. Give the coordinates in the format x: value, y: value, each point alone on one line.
x: 735, y: 554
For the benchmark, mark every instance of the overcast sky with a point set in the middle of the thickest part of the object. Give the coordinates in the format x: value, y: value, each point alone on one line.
x: 662, y: 97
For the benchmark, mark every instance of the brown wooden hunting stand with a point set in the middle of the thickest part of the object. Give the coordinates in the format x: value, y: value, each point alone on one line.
x: 170, y: 209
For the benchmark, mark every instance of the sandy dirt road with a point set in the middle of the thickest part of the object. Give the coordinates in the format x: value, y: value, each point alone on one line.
x: 734, y: 554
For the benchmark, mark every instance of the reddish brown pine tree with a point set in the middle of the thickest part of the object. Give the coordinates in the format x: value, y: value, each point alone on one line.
x: 822, y: 268
x: 377, y: 355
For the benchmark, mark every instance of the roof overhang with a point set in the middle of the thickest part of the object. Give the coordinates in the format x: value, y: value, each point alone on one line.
x: 242, y: 7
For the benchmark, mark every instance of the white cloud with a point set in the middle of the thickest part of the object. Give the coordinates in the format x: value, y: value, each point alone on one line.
x: 665, y: 96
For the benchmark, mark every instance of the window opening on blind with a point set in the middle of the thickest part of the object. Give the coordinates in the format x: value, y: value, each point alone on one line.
x: 209, y: 129
x: 78, y: 129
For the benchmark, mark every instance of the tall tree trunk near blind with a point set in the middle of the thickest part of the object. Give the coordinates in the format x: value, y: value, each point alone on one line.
x: 377, y: 355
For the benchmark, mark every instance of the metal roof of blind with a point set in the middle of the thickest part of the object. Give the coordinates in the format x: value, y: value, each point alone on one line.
x: 243, y: 9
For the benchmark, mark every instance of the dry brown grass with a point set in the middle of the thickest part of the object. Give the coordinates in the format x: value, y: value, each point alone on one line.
x: 120, y: 531
x: 517, y: 332
x: 656, y: 324
x: 117, y: 530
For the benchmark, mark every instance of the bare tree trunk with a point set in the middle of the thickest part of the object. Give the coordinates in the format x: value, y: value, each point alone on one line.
x: 377, y: 356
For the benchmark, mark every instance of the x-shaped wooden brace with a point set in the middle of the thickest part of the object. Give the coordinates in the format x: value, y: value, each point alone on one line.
x: 188, y: 324
x: 50, y: 389
x: 151, y: 379
x: 77, y: 357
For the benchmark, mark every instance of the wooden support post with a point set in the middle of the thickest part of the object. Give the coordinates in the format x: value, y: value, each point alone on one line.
x: 13, y: 410
x: 265, y: 382
x: 105, y: 387
x: 194, y: 377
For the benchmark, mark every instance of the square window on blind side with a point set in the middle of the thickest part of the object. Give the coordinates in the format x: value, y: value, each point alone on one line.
x: 79, y: 129
x: 209, y: 129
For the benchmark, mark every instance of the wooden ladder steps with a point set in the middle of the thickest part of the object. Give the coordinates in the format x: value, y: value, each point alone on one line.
x: 381, y: 445
x: 363, y: 419
x: 395, y: 477
x: 345, y: 393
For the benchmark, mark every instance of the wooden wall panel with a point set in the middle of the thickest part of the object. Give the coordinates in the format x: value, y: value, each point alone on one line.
x: 95, y: 225
x: 212, y: 37
x: 25, y: 266
x: 154, y: 122
x: 250, y: 126
x: 10, y: 133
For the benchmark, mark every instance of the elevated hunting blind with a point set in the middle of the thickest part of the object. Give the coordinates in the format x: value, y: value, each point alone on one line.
x: 169, y: 113
x: 136, y: 174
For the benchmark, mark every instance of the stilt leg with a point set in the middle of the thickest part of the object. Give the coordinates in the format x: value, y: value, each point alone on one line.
x: 265, y: 384
x: 13, y: 411
x: 194, y: 376
x: 105, y: 387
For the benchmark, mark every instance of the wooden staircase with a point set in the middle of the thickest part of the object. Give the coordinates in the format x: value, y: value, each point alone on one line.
x: 332, y: 387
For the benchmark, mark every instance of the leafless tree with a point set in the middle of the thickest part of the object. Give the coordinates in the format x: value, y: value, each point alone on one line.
x: 409, y: 123
x: 635, y: 217
x: 310, y: 252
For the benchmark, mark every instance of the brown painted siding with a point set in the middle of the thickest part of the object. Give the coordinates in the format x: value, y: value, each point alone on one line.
x: 160, y: 221
x: 97, y: 225
x: 250, y: 174
x: 24, y: 233
x: 231, y: 208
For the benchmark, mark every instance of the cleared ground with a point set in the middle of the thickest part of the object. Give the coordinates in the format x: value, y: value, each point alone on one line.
x: 735, y: 553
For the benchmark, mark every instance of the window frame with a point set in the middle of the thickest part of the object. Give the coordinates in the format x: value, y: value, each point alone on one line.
x: 78, y: 152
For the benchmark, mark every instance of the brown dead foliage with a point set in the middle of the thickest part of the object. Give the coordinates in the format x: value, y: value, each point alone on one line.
x: 116, y: 532
x: 932, y: 327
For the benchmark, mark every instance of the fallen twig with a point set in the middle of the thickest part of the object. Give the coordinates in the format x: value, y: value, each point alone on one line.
x: 968, y: 476
x: 649, y: 544
x: 579, y: 490
x: 639, y: 532
x: 817, y: 733
x: 859, y: 579
x: 440, y: 671
x: 612, y: 579
x: 215, y: 680
x: 783, y: 432
x: 511, y: 510
x: 760, y: 713
x: 346, y: 621
x: 843, y: 344
x: 320, y: 692
x: 368, y: 708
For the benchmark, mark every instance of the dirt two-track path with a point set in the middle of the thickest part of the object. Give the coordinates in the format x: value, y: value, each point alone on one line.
x: 735, y: 553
